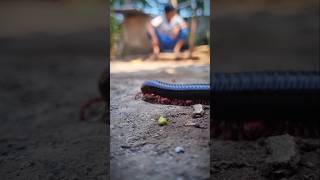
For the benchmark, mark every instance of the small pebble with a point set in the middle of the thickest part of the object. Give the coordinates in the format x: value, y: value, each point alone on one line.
x: 197, y: 111
x: 179, y: 150
x: 197, y: 125
x: 190, y: 124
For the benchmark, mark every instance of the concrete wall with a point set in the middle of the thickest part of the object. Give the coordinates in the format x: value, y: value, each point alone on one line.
x: 134, y: 37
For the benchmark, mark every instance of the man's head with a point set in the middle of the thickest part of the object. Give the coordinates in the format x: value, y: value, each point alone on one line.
x: 170, y: 11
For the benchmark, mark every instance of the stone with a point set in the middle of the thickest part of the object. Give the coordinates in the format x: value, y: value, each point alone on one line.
x: 197, y: 111
x: 283, y: 156
x: 179, y: 150
x: 283, y: 150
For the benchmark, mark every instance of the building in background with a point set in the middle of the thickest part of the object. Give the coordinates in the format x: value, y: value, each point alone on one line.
x: 134, y: 14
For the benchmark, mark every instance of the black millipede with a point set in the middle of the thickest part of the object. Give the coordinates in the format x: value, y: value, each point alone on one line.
x: 271, y: 96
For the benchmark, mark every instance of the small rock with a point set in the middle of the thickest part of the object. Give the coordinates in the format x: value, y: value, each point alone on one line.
x: 283, y: 150
x: 179, y: 150
x: 283, y: 158
x: 190, y: 124
x: 197, y: 111
x: 196, y: 125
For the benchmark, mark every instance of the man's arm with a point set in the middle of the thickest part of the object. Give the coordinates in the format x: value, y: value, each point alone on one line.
x: 152, y: 33
x: 154, y: 23
x: 150, y: 26
x: 181, y: 24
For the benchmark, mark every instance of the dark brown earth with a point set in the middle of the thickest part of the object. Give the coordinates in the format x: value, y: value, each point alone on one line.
x: 41, y: 90
x: 257, y: 36
x: 51, y: 55
x: 262, y: 159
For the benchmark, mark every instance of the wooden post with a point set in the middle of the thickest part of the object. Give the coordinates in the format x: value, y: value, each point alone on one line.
x: 193, y: 29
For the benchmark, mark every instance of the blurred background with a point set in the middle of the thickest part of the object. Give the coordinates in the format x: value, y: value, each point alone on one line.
x: 53, y: 24
x: 51, y: 55
x: 129, y: 17
x: 265, y: 35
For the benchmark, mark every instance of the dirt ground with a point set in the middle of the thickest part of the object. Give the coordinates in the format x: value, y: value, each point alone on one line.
x: 262, y: 41
x: 140, y: 148
x: 42, y: 86
x: 266, y: 158
x: 44, y: 81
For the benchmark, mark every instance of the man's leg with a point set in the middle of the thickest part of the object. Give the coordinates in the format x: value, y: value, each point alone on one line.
x: 181, y: 38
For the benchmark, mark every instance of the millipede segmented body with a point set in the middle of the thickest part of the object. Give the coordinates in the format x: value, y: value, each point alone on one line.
x: 282, y: 100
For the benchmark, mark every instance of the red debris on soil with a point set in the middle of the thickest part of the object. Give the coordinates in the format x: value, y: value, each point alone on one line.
x: 254, y: 129
x: 103, y: 85
x: 240, y: 129
x: 152, y: 98
x: 86, y: 105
